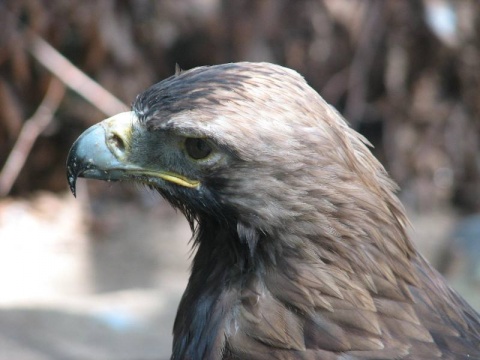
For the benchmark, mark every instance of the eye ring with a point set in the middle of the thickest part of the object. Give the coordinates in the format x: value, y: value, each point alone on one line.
x: 198, y: 148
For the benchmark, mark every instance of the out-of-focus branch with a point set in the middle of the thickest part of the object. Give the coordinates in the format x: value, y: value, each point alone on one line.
x: 65, y: 74
x: 72, y: 77
x: 31, y: 129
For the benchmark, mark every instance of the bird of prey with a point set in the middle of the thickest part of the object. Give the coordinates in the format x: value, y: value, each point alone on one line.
x: 301, y: 243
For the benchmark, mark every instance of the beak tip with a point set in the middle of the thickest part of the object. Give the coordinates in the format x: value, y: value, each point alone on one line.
x: 73, y: 189
x: 72, y: 181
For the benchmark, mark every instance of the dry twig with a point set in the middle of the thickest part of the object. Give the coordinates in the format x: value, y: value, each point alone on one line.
x: 31, y: 129
x: 73, y: 77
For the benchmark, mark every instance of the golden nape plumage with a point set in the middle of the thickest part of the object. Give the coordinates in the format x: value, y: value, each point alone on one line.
x: 302, y: 250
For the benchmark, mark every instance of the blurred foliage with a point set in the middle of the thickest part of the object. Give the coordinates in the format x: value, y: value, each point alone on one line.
x: 404, y: 73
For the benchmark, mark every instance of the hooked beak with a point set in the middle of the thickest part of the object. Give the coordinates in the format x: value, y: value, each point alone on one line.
x: 100, y: 151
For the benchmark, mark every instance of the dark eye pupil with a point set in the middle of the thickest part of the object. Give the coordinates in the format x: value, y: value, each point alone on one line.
x: 197, y: 148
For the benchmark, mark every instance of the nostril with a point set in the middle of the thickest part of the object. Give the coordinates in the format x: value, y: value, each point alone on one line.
x: 118, y: 131
x: 117, y: 142
x: 117, y: 145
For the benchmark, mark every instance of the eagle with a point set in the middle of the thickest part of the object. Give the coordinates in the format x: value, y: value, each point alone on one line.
x: 301, y: 245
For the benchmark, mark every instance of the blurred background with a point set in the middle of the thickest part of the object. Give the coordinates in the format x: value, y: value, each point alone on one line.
x: 100, y: 276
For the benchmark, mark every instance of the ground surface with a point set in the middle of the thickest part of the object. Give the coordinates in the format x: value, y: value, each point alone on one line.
x: 70, y: 293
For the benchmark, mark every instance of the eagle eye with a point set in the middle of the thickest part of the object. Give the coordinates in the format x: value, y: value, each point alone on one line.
x: 197, y: 148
